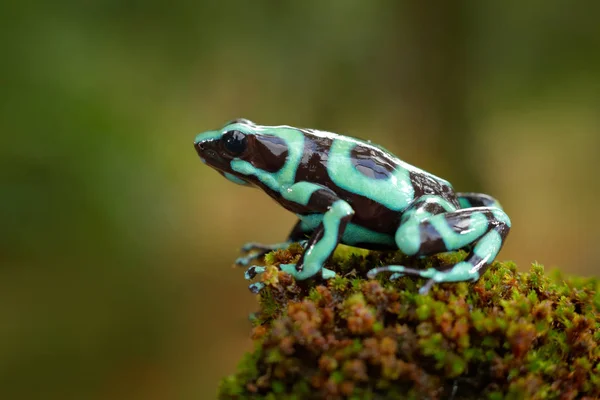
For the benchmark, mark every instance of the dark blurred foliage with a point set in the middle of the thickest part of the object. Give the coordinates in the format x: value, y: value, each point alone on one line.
x: 116, y: 241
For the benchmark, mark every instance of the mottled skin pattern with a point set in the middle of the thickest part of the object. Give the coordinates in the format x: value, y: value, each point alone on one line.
x: 349, y: 191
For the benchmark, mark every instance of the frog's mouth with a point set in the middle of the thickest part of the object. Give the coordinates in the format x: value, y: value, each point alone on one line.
x: 205, y: 153
x: 208, y: 150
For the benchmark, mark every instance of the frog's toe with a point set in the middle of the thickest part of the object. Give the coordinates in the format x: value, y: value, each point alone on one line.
x: 396, y: 275
x: 254, y: 316
x: 256, y: 287
x: 264, y: 248
x: 253, y: 271
x: 244, y: 261
x: 327, y: 273
x: 427, y: 286
x: 398, y: 271
x: 252, y: 246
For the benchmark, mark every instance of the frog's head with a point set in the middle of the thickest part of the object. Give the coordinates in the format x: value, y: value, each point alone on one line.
x: 241, y: 142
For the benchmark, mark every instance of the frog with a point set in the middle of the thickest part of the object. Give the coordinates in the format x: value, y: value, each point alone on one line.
x: 350, y: 191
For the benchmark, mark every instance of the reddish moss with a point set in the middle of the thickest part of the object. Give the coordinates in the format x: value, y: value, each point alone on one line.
x: 510, y: 335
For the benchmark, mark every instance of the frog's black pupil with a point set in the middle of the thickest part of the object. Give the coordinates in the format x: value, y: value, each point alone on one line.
x: 235, y: 142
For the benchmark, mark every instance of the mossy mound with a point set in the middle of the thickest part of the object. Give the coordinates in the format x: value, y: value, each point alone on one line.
x: 510, y: 335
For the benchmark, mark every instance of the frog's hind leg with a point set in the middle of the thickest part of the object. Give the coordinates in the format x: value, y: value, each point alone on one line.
x: 470, y: 200
x: 431, y: 226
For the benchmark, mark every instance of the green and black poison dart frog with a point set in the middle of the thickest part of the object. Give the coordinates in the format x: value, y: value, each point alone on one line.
x: 346, y: 190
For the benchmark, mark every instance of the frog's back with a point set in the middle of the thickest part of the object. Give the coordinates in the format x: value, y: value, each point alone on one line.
x: 366, y: 169
x: 378, y: 185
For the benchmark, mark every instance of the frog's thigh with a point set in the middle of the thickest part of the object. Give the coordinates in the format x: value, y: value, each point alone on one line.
x: 440, y: 233
x: 443, y: 232
x: 484, y: 251
x: 409, y: 237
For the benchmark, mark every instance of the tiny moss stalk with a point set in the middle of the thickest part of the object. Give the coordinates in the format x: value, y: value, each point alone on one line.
x: 510, y: 335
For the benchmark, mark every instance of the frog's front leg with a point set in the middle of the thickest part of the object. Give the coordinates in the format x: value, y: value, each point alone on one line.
x: 429, y: 228
x: 298, y: 234
x: 322, y: 243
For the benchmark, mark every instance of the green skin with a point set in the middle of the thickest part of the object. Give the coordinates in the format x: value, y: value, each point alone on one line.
x: 345, y: 190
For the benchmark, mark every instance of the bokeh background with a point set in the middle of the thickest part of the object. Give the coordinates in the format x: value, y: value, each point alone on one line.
x: 116, y: 243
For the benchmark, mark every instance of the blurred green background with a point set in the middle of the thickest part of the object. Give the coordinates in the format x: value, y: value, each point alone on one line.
x: 117, y: 243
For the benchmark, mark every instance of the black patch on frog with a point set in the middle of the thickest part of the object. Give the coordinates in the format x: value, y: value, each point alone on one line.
x: 495, y: 224
x: 474, y: 259
x: 317, y: 235
x: 313, y: 164
x: 266, y: 152
x: 298, y: 232
x: 502, y: 229
x: 466, y: 200
x: 429, y: 206
x: 477, y: 199
x: 431, y: 240
x: 460, y: 221
x: 370, y: 163
x: 313, y: 168
x: 425, y: 184
x: 251, y: 272
x: 321, y: 199
x: 434, y: 208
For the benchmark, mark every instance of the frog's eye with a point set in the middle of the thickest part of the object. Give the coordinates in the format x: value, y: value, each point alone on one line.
x: 234, y: 142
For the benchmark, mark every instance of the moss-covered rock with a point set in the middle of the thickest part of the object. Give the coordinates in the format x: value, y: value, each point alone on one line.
x: 510, y: 335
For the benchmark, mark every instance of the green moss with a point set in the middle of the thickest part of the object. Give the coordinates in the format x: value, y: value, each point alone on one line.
x: 510, y: 335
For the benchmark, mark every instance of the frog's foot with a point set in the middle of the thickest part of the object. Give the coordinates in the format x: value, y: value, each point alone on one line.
x: 253, y: 246
x: 259, y: 250
x: 253, y: 271
x: 244, y: 261
x: 462, y: 271
x: 256, y: 287
x: 256, y: 270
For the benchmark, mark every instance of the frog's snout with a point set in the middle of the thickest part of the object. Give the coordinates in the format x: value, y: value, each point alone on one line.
x: 200, y: 150
x: 199, y: 146
x: 207, y: 150
x: 204, y: 150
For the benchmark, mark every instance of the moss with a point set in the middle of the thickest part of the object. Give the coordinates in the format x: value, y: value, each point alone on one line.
x: 510, y: 335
